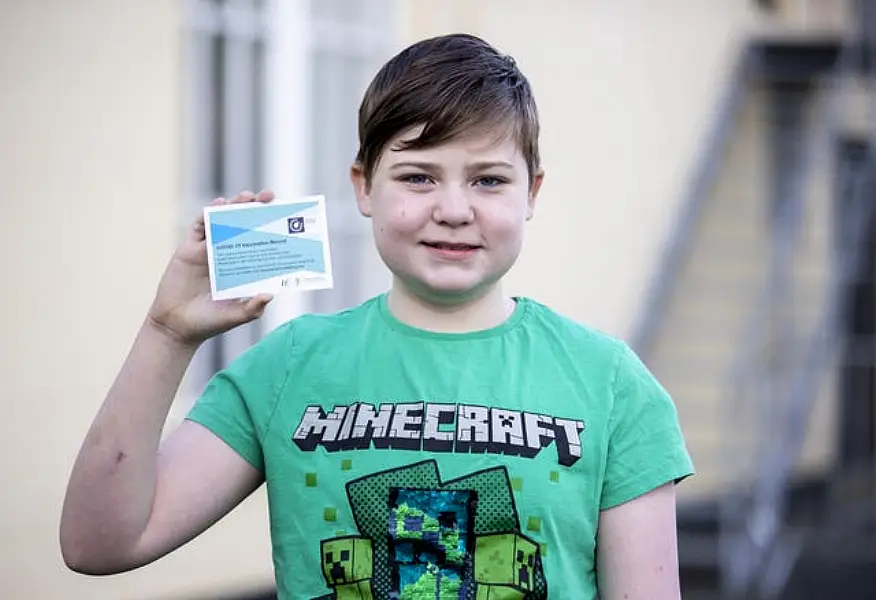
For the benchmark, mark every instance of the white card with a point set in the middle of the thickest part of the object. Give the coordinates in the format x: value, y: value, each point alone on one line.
x: 255, y: 248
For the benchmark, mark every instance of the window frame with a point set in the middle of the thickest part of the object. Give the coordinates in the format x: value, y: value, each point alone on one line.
x: 246, y: 122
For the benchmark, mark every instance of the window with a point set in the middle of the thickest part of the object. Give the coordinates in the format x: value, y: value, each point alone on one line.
x: 349, y: 42
x: 272, y: 89
x: 223, y: 120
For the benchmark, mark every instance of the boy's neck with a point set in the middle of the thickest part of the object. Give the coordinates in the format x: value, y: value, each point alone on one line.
x: 485, y: 311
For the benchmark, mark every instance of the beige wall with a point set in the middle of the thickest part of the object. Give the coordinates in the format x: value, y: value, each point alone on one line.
x: 89, y: 165
x: 626, y: 89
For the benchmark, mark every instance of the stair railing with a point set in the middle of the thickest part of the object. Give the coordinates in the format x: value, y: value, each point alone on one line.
x: 677, y: 246
x: 758, y: 551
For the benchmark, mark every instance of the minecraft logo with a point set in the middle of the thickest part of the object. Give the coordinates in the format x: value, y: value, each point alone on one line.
x: 438, y: 428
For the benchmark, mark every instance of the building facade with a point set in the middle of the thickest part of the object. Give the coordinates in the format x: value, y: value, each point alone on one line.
x: 120, y: 118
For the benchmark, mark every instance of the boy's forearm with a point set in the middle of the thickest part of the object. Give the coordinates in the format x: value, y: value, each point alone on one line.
x: 112, y: 486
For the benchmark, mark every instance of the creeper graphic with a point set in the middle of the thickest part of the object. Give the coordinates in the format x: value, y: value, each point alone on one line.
x: 504, y: 566
x: 348, y: 566
x: 432, y: 541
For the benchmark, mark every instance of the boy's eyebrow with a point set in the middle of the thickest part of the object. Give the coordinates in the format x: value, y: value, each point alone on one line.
x: 491, y: 164
x: 478, y: 166
x: 426, y: 166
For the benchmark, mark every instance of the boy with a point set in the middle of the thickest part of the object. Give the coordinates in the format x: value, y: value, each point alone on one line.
x: 442, y: 440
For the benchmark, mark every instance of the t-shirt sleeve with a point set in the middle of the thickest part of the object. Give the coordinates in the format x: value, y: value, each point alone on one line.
x: 646, y: 448
x: 239, y: 401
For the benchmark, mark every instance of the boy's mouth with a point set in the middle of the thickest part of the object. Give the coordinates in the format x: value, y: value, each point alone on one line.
x: 451, y: 246
x: 451, y: 251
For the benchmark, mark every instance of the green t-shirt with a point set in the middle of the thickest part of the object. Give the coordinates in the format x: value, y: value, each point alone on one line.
x: 414, y: 465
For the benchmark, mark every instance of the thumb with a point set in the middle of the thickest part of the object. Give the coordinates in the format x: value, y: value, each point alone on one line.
x: 254, y: 307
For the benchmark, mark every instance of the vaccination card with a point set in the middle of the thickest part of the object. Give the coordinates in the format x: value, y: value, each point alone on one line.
x: 280, y: 246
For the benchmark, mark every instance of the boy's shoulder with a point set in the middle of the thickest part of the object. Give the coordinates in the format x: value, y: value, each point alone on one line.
x: 570, y: 332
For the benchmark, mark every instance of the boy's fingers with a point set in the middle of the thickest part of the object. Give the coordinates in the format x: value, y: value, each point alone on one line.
x: 198, y: 224
x: 245, y: 196
x: 255, y: 306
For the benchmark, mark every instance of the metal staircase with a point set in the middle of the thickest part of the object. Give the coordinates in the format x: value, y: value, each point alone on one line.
x: 742, y: 326
x: 755, y: 266
x: 699, y: 333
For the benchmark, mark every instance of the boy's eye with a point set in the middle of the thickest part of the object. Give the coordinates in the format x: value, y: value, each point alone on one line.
x: 416, y: 179
x: 490, y: 181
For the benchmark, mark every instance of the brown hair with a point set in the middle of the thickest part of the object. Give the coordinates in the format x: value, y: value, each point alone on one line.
x: 449, y: 85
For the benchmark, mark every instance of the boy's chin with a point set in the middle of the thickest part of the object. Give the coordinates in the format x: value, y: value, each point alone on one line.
x: 451, y: 291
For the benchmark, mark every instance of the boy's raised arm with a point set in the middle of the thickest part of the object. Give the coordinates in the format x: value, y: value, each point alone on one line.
x: 130, y: 498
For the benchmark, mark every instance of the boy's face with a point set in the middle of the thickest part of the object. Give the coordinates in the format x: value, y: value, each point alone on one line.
x: 448, y: 221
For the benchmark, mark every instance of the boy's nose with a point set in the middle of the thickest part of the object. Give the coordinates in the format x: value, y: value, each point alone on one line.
x: 453, y: 208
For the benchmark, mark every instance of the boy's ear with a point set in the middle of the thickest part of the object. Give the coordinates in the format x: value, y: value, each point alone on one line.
x: 537, y: 180
x: 361, y: 189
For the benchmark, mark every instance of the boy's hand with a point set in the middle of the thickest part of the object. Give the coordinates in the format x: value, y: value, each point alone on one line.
x: 183, y: 307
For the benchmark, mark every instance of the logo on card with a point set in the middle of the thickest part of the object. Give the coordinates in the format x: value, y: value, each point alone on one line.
x: 295, y: 224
